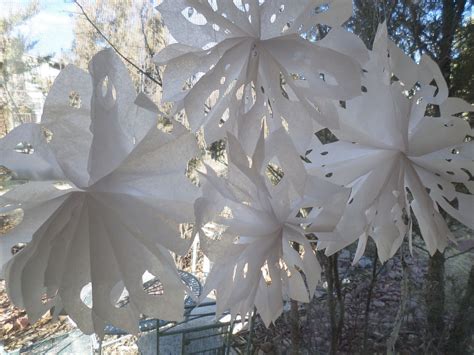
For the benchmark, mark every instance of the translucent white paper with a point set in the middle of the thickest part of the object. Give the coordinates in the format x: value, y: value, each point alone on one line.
x: 238, y: 62
x: 255, y: 263
x: 401, y: 148
x: 103, y: 203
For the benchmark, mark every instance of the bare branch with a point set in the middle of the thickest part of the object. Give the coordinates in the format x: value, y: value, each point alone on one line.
x: 158, y: 82
x: 460, y: 253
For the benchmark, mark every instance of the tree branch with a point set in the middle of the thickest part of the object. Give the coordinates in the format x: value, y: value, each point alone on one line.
x: 463, y: 252
x: 158, y: 82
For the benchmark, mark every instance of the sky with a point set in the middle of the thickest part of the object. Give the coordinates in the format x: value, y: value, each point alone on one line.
x: 51, y: 27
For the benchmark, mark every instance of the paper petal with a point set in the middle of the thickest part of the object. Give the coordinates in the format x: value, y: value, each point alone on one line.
x: 115, y: 214
x: 389, y: 144
x: 231, y: 59
x: 255, y: 263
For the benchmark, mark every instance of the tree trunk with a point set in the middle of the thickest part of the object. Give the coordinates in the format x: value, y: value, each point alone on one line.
x: 295, y: 320
x: 335, y: 301
x: 340, y: 298
x: 332, y: 305
x: 451, y: 19
x: 367, y: 304
x: 295, y: 328
x: 434, y: 295
x: 463, y: 328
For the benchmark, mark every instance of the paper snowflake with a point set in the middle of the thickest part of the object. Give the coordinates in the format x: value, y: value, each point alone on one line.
x: 103, y: 203
x: 236, y: 62
x: 402, y: 146
x: 255, y: 261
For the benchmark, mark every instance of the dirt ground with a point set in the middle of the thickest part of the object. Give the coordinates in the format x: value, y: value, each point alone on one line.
x: 17, y: 332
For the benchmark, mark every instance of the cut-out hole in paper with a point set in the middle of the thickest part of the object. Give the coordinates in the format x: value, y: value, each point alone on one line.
x: 304, y: 212
x: 108, y: 91
x: 17, y: 248
x: 48, y: 134
x: 164, y: 124
x: 316, y: 33
x: 75, y: 99
x: 461, y: 188
x: 435, y: 84
x: 224, y: 118
x: 154, y: 287
x: 286, y: 27
x: 45, y: 299
x: 266, y: 274
x: 193, y: 16
x: 325, y: 136
x: 5, y: 174
x: 469, y: 174
x: 274, y: 173
x: 432, y: 110
x: 321, y: 9
x: 86, y: 295
x: 10, y: 219
x: 393, y: 79
x: 186, y: 230
x: 24, y: 148
x: 217, y: 150
x: 62, y: 185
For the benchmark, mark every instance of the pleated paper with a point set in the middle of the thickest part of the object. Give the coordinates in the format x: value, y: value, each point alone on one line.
x: 238, y: 62
x: 402, y: 148
x: 102, y: 205
x: 262, y: 256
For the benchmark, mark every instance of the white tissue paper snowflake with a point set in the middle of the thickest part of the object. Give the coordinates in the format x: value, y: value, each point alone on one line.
x: 255, y: 261
x: 237, y: 62
x: 105, y: 195
x: 402, y: 145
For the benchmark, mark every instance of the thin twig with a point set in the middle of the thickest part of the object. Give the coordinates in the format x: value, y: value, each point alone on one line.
x: 460, y: 253
x: 114, y: 47
x: 421, y: 248
x: 402, y: 307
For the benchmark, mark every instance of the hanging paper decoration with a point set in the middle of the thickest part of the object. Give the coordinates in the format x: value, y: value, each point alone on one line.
x: 101, y: 191
x: 237, y: 62
x: 401, y: 146
x: 255, y: 261
x: 103, y: 203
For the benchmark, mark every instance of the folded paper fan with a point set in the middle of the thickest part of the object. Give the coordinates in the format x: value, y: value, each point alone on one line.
x: 262, y: 255
x: 106, y: 194
x: 402, y: 145
x: 237, y: 62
